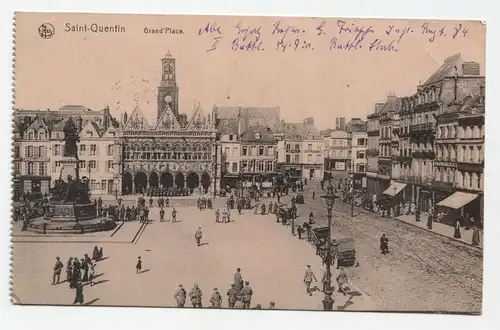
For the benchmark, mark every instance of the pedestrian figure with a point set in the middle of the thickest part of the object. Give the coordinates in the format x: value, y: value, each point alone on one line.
x: 314, y: 194
x: 85, y: 273
x: 384, y: 244
x: 68, y: 269
x: 457, y: 230
x: 78, y: 293
x: 342, y: 280
x: 263, y: 209
x: 174, y: 215
x: 95, y: 253
x: 195, y: 296
x: 247, y: 293
x: 87, y: 259
x: 216, y: 299
x: 272, y: 305
x: 308, y: 278
x: 180, y: 296
x: 57, y: 271
x: 198, y: 236
x: 476, y: 238
x: 238, y: 280
x: 325, y: 279
x: 228, y: 215
x: 92, y: 274
x: 239, y: 303
x: 217, y: 216
x: 162, y: 214
x: 138, y: 266
x: 232, y: 295
x: 100, y: 255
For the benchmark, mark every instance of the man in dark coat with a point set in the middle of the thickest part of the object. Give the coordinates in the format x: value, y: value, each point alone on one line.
x: 384, y: 244
x: 162, y: 215
x: 238, y: 280
x: 78, y: 293
x: 57, y: 271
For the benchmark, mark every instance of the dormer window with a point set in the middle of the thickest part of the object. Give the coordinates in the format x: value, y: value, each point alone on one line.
x: 257, y: 135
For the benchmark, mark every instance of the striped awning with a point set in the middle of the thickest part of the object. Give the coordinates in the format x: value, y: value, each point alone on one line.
x: 395, y: 188
x: 457, y: 200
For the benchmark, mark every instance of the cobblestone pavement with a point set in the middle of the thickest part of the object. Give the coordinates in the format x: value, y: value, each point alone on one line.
x: 422, y: 272
x: 270, y: 258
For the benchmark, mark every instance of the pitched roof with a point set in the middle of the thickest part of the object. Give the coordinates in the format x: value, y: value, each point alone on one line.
x: 251, y: 115
x: 393, y: 103
x: 266, y: 134
x: 355, y: 126
x: 300, y: 131
x: 228, y: 126
x: 447, y: 69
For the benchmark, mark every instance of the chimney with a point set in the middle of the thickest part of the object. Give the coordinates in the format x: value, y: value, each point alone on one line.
x: 106, y: 118
x: 471, y: 69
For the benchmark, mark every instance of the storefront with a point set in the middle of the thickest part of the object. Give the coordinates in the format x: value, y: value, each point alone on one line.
x: 462, y: 206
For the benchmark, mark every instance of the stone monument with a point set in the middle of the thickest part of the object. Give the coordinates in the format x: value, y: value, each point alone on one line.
x: 70, y: 209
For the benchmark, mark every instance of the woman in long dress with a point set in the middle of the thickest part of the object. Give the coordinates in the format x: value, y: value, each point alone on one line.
x: 457, y: 230
x: 475, y: 237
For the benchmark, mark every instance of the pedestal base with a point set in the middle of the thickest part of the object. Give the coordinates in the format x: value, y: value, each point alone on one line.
x: 69, y: 226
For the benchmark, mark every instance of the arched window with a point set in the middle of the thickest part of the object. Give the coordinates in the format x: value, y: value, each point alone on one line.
x: 451, y: 176
x: 445, y: 153
x: 437, y: 175
x: 476, y: 132
x: 468, y: 132
x: 41, y: 151
x: 442, y: 175
x: 461, y: 133
x: 475, y: 181
x: 467, y: 180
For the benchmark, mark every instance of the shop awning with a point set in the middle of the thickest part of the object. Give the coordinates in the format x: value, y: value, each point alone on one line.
x: 395, y: 188
x: 457, y: 200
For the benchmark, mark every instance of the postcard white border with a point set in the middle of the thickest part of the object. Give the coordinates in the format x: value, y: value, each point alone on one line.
x: 135, y: 318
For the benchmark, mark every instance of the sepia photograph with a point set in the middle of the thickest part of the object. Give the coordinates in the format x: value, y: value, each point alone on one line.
x: 248, y: 162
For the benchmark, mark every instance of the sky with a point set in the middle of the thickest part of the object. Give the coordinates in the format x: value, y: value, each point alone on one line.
x: 319, y: 67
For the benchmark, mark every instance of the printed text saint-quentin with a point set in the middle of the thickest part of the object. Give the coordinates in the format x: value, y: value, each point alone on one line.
x: 94, y: 27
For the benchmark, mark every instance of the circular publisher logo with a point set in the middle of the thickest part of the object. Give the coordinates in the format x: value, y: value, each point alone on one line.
x: 46, y: 30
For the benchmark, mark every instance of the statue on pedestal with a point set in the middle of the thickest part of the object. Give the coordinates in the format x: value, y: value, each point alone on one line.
x: 71, y: 139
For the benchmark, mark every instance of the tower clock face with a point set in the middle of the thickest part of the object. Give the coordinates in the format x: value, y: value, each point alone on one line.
x: 168, y: 98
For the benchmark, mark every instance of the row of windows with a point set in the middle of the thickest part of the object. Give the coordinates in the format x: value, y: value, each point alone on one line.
x: 105, y: 185
x: 255, y: 166
x: 297, y: 147
x: 167, y: 155
x: 296, y: 159
x: 453, y: 132
x: 228, y: 153
x: 257, y: 151
x: 35, y: 168
x: 472, y: 153
x: 89, y: 165
x: 337, y: 154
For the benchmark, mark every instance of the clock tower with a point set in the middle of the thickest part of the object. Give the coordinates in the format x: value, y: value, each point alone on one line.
x: 168, y: 91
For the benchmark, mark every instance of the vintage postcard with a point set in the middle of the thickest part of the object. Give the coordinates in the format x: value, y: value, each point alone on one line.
x: 248, y: 162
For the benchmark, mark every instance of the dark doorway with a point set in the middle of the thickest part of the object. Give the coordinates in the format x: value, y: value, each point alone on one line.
x: 192, y: 180
x: 153, y: 180
x: 167, y: 180
x: 141, y: 183
x: 311, y: 173
x: 179, y: 180
x: 205, y: 181
x: 127, y: 184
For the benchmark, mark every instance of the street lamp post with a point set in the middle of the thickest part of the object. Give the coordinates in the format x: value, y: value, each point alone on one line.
x: 330, y: 200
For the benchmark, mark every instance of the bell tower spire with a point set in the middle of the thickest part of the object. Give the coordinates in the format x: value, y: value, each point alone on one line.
x: 168, y: 91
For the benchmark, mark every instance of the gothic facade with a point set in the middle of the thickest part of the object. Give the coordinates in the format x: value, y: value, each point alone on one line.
x: 172, y: 152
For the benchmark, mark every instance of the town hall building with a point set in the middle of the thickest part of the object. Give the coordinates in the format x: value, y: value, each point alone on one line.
x: 172, y: 152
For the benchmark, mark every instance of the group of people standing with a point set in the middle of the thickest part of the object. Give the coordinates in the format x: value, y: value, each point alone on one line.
x: 78, y: 272
x: 239, y: 295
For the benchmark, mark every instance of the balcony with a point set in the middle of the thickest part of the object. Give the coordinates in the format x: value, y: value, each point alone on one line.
x: 470, y: 166
x: 446, y: 162
x: 422, y: 128
x: 293, y: 151
x: 424, y: 154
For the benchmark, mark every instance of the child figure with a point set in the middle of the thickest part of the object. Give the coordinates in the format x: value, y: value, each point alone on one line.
x: 138, y: 267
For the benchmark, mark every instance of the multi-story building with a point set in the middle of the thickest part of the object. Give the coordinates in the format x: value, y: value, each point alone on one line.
x: 173, y: 151
x: 37, y: 144
x: 459, y: 162
x: 372, y: 152
x: 229, y: 140
x: 258, y: 160
x: 451, y: 83
x: 303, y: 151
x: 358, y: 142
x: 336, y: 155
x: 389, y: 147
x: 232, y: 123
